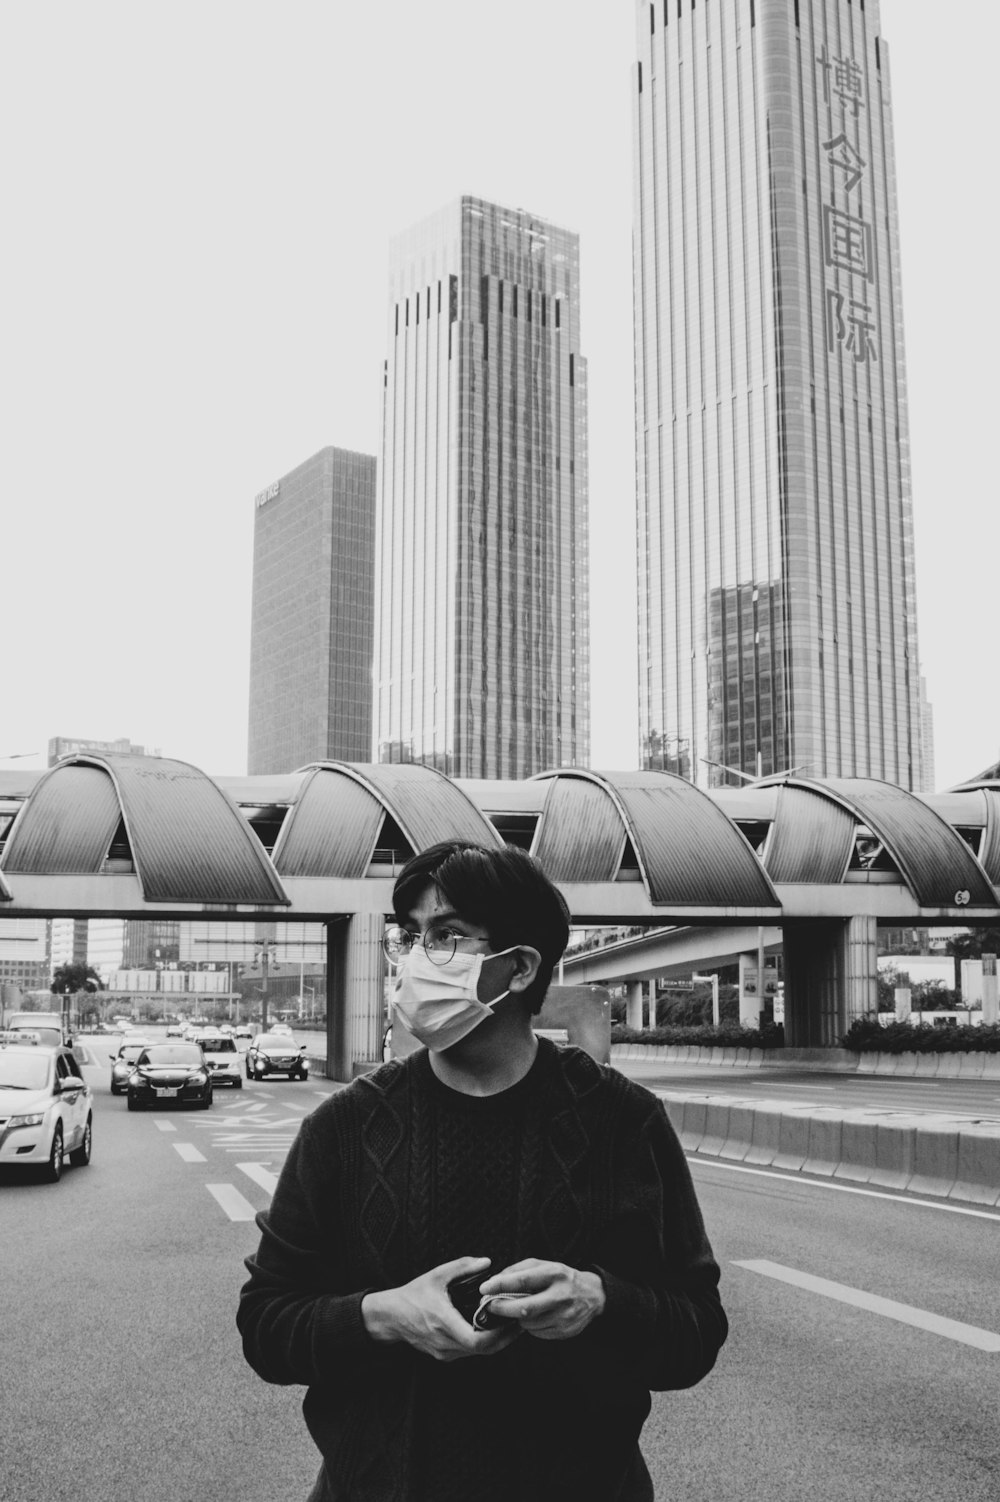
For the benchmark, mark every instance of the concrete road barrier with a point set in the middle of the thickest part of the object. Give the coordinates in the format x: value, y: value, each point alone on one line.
x: 929, y: 1155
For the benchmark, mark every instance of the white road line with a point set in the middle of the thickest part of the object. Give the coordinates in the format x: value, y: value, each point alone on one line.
x: 189, y: 1152
x: 164, y: 1126
x: 828, y: 1184
x: 232, y: 1201
x: 906, y: 1314
x: 260, y: 1175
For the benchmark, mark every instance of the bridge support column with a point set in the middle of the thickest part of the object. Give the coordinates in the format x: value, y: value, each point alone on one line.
x: 354, y: 993
x: 633, y: 1005
x: 830, y: 979
x: 751, y: 1000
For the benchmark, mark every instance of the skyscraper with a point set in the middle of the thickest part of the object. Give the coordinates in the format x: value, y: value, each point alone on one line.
x: 482, y: 651
x: 776, y: 573
x: 311, y: 624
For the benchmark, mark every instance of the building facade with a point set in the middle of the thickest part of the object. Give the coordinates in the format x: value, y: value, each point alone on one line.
x: 482, y: 646
x: 777, y: 620
x: 311, y: 625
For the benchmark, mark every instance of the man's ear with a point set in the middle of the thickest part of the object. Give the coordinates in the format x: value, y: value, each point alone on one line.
x: 526, y: 965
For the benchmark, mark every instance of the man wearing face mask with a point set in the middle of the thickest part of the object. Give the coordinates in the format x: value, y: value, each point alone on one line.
x: 482, y: 1258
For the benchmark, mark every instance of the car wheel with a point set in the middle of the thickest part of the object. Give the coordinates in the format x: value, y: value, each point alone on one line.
x: 249, y: 1075
x: 80, y: 1156
x: 237, y: 1083
x: 133, y: 1104
x: 203, y: 1105
x: 54, y: 1167
x: 114, y: 1089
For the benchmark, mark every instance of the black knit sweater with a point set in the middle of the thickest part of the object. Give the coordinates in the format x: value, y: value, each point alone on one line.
x: 397, y: 1174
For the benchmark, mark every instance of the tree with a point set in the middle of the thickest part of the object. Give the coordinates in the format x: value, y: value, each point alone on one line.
x: 67, y: 980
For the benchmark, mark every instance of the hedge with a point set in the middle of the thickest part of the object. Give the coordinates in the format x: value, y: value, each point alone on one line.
x: 869, y: 1036
x: 729, y: 1035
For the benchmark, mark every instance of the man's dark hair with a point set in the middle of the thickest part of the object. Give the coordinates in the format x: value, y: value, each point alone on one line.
x: 499, y: 888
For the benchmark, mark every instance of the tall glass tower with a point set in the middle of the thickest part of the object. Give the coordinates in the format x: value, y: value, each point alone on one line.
x: 777, y: 623
x: 481, y: 619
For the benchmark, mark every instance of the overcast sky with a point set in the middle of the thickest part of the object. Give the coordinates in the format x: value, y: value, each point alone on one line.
x: 198, y: 199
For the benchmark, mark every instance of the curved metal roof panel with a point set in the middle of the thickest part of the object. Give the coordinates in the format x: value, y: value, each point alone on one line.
x: 332, y: 829
x: 188, y: 841
x: 689, y: 853
x: 581, y: 833
x: 935, y: 862
x: 427, y: 805
x: 989, y: 849
x: 6, y: 895
x: 811, y: 838
x: 66, y: 824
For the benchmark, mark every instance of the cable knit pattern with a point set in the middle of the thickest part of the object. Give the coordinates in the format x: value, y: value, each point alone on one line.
x: 396, y: 1174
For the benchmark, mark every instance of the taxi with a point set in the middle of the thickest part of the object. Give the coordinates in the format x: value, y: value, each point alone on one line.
x: 46, y: 1107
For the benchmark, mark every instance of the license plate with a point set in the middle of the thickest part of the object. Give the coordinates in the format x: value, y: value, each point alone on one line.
x: 165, y: 1091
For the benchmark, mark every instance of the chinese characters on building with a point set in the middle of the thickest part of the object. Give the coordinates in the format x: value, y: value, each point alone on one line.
x: 848, y: 238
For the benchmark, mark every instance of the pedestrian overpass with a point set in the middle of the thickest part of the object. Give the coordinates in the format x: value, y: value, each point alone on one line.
x: 823, y: 862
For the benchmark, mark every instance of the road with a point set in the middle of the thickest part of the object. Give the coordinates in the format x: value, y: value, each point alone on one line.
x: 123, y: 1376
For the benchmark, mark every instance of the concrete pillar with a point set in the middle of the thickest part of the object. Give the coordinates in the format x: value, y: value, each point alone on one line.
x: 902, y: 995
x: 991, y: 1009
x: 354, y: 994
x: 633, y: 1005
x: 830, y: 979
x: 651, y: 1003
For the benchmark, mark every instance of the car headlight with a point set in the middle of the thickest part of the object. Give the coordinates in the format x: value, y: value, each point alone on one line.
x: 197, y: 1077
x: 34, y: 1118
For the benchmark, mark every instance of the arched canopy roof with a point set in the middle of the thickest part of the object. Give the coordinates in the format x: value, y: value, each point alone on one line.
x: 168, y: 820
x: 344, y: 814
x: 327, y: 838
x: 687, y: 853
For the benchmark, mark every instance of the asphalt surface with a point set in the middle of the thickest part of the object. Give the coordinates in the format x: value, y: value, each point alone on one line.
x: 124, y: 1380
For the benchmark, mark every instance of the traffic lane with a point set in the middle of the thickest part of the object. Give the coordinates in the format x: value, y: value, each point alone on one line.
x: 977, y: 1099
x: 118, y: 1309
x: 813, y: 1397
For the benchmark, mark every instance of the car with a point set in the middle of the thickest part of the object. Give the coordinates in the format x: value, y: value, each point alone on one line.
x: 222, y: 1057
x: 282, y: 1028
x: 175, y: 1029
x: 46, y: 1026
x: 175, y: 1072
x: 276, y: 1053
x: 245, y: 1035
x: 123, y: 1062
x: 46, y: 1109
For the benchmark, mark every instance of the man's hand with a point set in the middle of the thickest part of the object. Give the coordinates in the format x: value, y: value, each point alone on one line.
x: 421, y: 1314
x: 559, y: 1302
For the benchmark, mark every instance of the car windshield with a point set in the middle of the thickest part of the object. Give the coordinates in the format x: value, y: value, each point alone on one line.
x: 281, y: 1039
x: 218, y: 1045
x: 131, y: 1052
x: 172, y: 1053
x: 20, y: 1071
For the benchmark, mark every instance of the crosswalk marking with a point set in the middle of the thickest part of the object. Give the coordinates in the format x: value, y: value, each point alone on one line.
x: 970, y: 1335
x: 260, y: 1175
x: 164, y: 1126
x: 232, y: 1201
x: 189, y: 1152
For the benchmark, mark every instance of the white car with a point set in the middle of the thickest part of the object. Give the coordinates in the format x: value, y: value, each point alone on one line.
x: 222, y: 1058
x: 46, y: 1109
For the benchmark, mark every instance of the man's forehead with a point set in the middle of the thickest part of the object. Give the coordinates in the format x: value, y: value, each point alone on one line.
x: 430, y: 903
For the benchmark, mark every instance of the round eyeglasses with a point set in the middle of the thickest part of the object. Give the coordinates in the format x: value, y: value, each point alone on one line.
x: 438, y: 940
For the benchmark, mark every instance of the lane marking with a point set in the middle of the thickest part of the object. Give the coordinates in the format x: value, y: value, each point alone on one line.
x: 876, y: 1194
x: 163, y: 1126
x: 232, y: 1201
x: 189, y: 1152
x: 260, y: 1175
x: 906, y: 1314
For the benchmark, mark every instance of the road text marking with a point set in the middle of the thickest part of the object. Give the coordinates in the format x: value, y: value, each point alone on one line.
x: 906, y: 1314
x: 232, y: 1201
x: 188, y: 1152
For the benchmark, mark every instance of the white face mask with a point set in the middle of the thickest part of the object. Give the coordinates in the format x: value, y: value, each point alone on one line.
x: 440, y: 1003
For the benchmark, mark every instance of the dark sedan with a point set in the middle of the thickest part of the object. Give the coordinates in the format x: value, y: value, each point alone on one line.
x: 276, y: 1053
x: 170, y: 1072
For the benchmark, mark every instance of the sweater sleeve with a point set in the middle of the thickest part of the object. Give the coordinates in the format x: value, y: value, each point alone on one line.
x: 299, y: 1321
x: 663, y: 1320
